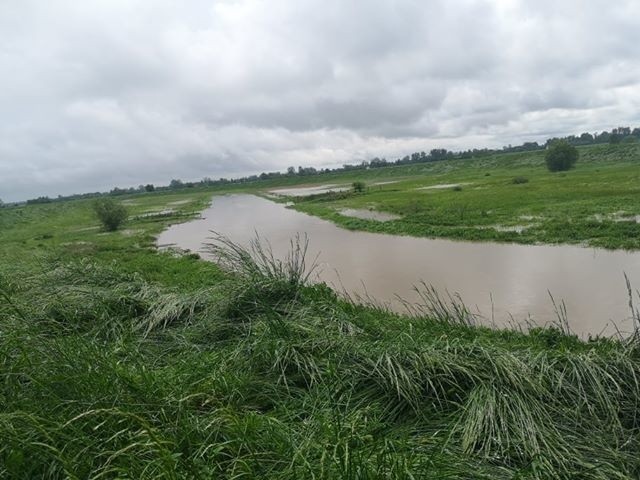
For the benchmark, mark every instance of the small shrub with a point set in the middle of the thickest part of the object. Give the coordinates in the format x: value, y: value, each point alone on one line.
x: 561, y: 156
x: 457, y: 188
x: 520, y: 180
x: 111, y: 214
x: 358, y: 187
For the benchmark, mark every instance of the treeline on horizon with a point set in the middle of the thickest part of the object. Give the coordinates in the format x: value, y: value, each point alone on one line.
x: 617, y: 135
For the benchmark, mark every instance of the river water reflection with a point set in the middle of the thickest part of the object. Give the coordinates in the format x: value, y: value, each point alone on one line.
x: 500, y: 281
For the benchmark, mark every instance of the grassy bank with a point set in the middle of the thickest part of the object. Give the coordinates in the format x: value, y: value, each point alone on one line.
x: 117, y: 361
x: 506, y: 197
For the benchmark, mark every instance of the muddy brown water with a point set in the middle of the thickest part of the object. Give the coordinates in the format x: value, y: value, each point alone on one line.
x: 502, y: 283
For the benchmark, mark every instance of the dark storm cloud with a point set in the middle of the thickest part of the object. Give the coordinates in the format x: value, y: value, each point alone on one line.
x: 111, y: 92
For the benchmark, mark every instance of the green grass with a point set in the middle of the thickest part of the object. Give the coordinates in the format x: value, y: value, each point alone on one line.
x: 118, y: 361
x: 593, y: 204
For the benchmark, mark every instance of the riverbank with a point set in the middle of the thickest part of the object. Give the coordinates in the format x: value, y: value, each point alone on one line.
x: 121, y: 361
x: 503, y: 284
x: 504, y: 198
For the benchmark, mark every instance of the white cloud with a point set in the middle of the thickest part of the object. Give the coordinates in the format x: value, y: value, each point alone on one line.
x: 104, y: 93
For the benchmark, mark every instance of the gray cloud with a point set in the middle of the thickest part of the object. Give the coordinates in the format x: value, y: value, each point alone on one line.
x: 102, y: 93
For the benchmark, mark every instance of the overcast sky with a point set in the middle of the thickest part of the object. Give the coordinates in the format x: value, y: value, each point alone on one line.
x: 102, y: 93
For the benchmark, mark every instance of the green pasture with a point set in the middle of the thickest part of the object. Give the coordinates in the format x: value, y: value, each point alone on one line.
x: 507, y: 197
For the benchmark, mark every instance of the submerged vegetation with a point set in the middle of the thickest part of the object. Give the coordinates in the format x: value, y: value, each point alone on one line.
x: 117, y: 361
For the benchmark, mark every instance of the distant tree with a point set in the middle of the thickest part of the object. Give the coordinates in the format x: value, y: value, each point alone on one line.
x: 291, y: 171
x: 118, y: 191
x: 378, y: 162
x: 39, y: 200
x: 561, y: 156
x: 602, y: 137
x: 176, y: 183
x: 438, y: 154
x: 149, y: 187
x: 622, y: 131
x: 614, y: 138
x: 358, y: 187
x: 110, y: 213
x: 586, y: 138
x: 530, y: 146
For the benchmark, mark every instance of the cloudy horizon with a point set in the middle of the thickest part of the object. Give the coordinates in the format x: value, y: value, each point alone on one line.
x: 108, y: 93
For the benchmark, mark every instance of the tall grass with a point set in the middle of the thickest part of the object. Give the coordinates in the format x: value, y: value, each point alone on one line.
x: 264, y: 282
x: 104, y: 374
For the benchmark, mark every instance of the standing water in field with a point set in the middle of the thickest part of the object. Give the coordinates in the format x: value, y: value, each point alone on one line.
x: 503, y: 283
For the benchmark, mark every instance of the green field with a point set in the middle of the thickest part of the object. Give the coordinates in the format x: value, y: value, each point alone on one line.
x: 119, y: 361
x: 594, y: 204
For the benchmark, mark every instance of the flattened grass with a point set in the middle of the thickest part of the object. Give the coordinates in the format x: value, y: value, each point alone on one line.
x: 120, y: 362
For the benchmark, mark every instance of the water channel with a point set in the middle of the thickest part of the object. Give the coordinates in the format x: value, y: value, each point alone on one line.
x: 500, y: 282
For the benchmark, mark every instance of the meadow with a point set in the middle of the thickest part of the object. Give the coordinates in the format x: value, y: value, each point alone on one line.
x: 121, y: 361
x: 505, y: 198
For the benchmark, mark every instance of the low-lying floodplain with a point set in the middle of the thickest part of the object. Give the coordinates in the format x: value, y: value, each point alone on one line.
x: 502, y: 198
x: 119, y: 360
x: 503, y: 284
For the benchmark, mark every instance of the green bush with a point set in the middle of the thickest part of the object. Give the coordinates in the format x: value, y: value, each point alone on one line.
x: 561, y: 156
x: 358, y: 187
x: 111, y: 214
x: 519, y: 180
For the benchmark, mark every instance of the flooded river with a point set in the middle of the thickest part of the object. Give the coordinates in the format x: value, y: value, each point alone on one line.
x: 501, y: 282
